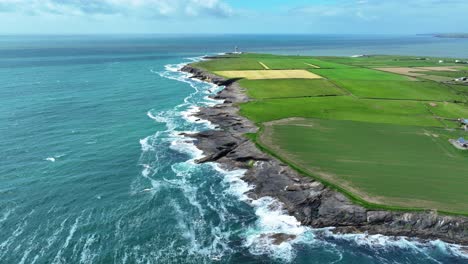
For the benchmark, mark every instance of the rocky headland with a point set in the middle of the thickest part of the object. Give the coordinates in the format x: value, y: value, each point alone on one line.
x: 307, y: 199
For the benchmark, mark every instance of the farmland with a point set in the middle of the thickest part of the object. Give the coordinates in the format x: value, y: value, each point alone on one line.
x: 266, y: 74
x: 376, y: 126
x: 422, y: 90
x: 380, y: 162
x: 288, y: 88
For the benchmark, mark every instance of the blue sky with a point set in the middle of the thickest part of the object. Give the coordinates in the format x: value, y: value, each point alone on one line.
x: 233, y: 16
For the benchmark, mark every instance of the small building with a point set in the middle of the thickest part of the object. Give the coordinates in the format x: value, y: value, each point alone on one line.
x: 460, y: 143
x: 236, y: 50
x: 463, y: 121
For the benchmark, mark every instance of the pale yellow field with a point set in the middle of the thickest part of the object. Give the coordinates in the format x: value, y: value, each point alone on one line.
x: 270, y: 74
x: 403, y: 70
x: 417, y: 71
x: 440, y: 68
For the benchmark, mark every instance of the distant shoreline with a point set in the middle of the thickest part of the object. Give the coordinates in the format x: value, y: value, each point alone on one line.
x: 454, y: 35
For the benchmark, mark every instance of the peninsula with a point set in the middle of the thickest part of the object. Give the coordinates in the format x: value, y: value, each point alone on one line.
x: 361, y: 143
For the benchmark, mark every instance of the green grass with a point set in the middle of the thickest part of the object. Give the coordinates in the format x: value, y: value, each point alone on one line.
x: 463, y: 89
x: 283, y: 88
x: 341, y: 108
x: 358, y: 74
x: 401, y: 90
x: 299, y: 63
x: 451, y: 74
x: 231, y: 64
x: 391, y: 61
x: 450, y: 110
x: 393, y: 165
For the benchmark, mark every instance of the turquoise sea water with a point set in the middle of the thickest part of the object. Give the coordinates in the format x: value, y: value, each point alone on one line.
x: 93, y: 169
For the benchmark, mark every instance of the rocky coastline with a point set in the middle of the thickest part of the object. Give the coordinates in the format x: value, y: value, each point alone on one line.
x: 307, y: 199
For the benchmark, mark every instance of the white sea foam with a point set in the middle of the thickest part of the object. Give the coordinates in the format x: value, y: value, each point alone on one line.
x: 189, y: 115
x: 145, y: 144
x: 381, y: 242
x: 87, y: 255
x: 51, y: 159
x: 6, y: 214
x: 272, y: 220
x: 59, y: 258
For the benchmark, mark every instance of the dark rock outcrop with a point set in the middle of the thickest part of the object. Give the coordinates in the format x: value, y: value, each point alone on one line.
x: 308, y: 200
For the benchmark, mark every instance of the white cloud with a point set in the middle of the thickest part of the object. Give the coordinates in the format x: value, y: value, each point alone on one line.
x: 146, y: 8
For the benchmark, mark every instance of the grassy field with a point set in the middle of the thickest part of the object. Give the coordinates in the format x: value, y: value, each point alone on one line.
x: 381, y: 136
x: 359, y: 74
x: 232, y: 64
x: 286, y: 88
x: 255, y: 61
x: 450, y: 110
x: 300, y: 63
x: 451, y: 74
x: 394, y: 165
x: 341, y: 108
x: 392, y: 61
x: 267, y: 74
x: 401, y: 90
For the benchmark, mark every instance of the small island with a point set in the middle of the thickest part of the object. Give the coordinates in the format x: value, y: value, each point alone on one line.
x: 360, y: 143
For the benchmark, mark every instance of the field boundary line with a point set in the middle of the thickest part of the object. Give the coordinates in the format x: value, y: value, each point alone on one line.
x: 315, y: 66
x: 264, y: 65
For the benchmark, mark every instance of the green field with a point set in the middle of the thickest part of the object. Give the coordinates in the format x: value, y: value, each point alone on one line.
x: 392, y: 61
x: 359, y: 74
x: 232, y: 64
x: 377, y: 136
x: 450, y: 110
x: 451, y: 74
x: 417, y: 90
x: 299, y: 63
x: 253, y: 62
x: 342, y: 108
x: 286, y: 88
x: 382, y: 163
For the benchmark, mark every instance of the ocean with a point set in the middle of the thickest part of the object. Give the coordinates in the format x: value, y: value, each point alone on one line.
x: 94, y: 169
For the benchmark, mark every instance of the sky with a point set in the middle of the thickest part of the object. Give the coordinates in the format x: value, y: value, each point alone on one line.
x: 233, y: 16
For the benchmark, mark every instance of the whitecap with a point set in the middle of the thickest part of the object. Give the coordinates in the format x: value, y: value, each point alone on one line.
x: 51, y: 159
x: 400, y: 242
x: 145, y: 144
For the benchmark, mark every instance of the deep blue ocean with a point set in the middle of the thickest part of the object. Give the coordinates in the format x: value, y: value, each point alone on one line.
x: 93, y: 168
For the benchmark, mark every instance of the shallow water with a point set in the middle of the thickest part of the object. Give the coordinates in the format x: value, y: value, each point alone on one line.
x: 93, y: 168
